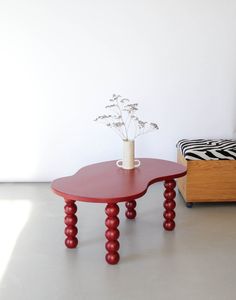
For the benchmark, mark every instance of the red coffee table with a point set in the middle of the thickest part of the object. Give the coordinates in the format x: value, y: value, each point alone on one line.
x: 106, y: 183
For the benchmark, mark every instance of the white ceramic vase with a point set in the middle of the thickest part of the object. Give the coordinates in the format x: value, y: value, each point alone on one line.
x: 128, y: 162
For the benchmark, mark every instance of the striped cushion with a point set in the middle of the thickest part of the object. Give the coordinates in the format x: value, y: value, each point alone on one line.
x: 201, y: 149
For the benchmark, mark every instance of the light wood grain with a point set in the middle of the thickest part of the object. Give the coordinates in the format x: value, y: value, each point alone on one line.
x: 208, y: 181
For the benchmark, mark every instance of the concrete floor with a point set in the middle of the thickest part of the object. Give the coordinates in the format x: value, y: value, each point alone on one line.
x: 196, y: 261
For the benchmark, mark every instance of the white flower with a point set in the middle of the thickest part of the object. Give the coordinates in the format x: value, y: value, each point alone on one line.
x: 123, y: 119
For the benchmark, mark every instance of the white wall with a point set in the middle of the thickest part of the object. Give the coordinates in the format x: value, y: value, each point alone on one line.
x: 61, y: 60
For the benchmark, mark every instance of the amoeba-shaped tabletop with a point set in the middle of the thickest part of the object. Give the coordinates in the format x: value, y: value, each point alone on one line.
x: 106, y: 183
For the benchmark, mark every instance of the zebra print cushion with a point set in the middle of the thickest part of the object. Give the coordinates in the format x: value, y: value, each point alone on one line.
x: 201, y: 149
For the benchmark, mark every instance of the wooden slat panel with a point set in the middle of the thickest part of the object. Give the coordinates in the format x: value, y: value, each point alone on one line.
x: 211, y: 181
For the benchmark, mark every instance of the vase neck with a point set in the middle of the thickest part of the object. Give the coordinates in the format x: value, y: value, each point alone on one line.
x: 128, y: 141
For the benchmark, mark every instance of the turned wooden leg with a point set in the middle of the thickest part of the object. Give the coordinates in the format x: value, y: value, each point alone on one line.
x: 130, y: 212
x: 112, y: 234
x: 70, y: 220
x: 169, y: 205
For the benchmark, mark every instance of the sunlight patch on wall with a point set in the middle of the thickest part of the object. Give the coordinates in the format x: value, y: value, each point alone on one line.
x: 19, y: 212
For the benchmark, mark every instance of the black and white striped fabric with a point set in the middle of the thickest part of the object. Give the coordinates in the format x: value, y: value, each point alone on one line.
x: 202, y: 149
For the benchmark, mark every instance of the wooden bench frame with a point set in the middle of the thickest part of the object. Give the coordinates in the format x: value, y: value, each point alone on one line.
x: 208, y: 180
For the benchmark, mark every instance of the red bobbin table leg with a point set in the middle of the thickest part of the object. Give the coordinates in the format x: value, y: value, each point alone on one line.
x: 130, y: 212
x: 169, y: 205
x: 112, y: 234
x: 70, y: 220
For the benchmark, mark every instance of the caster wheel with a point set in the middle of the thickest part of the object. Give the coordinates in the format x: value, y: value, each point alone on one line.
x: 189, y: 204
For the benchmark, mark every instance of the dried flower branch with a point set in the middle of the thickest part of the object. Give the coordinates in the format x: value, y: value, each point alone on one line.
x: 122, y: 119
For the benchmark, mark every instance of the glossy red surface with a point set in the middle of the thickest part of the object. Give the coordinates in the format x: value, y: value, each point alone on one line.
x: 112, y: 234
x: 106, y: 183
x: 169, y: 204
x: 130, y: 212
x: 70, y: 221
